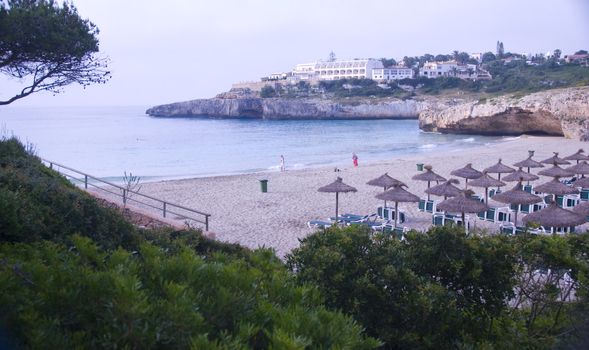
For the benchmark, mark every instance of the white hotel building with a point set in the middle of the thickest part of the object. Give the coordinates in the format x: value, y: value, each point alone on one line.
x: 392, y: 73
x: 438, y: 69
x: 340, y: 69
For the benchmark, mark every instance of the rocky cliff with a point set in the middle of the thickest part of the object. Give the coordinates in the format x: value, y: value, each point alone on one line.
x: 300, y: 108
x: 562, y: 112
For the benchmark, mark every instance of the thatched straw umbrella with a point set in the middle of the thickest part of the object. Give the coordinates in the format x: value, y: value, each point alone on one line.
x: 577, y: 156
x: 529, y: 163
x: 555, y: 160
x: 428, y: 176
x: 467, y: 173
x: 582, y: 182
x: 519, y: 174
x: 386, y: 182
x: 556, y: 187
x: 486, y: 181
x: 581, y: 168
x: 337, y: 186
x: 517, y: 196
x: 499, y: 169
x: 582, y: 209
x: 445, y: 189
x: 397, y: 194
x: 463, y: 204
x: 555, y: 171
x: 555, y: 216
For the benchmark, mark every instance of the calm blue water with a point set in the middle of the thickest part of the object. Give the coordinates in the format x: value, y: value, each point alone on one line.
x: 106, y: 141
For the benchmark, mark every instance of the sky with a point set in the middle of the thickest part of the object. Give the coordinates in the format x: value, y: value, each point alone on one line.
x: 177, y: 50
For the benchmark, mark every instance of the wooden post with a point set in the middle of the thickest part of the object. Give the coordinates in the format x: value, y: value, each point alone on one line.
x: 86, y: 181
x: 164, y: 209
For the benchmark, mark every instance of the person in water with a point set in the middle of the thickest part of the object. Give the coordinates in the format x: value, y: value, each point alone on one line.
x: 282, y: 166
x: 355, y: 159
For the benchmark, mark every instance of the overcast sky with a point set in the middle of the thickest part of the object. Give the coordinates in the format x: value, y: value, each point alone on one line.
x: 175, y: 50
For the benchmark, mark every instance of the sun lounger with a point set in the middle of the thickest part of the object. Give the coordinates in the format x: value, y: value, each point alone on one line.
x: 389, y: 214
x: 441, y: 219
x: 509, y: 228
x: 585, y: 194
x: 317, y: 224
x: 568, y: 201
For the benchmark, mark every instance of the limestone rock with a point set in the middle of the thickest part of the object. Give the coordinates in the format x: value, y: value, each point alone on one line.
x: 561, y: 112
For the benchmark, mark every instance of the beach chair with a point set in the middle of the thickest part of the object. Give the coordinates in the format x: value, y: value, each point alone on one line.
x: 560, y: 230
x: 319, y: 224
x: 427, y: 206
x: 490, y: 214
x: 503, y: 214
x: 584, y: 194
x: 509, y: 228
x: 351, y: 218
x: 528, y: 188
x: 430, y: 206
x: 398, y: 232
x: 568, y: 201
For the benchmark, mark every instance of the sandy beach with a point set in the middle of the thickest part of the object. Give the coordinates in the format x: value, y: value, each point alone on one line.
x: 242, y: 214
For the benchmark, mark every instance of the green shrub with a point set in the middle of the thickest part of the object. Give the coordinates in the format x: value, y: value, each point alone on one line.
x: 84, y: 297
x: 442, y: 289
x: 39, y: 204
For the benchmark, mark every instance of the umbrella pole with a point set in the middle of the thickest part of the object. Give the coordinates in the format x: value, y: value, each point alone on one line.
x: 464, y: 223
x: 499, y: 178
x: 396, y: 213
x: 528, y: 173
x: 385, y: 202
x: 486, y: 195
x: 428, y: 183
x: 465, y: 183
x: 515, y: 219
x: 336, y: 204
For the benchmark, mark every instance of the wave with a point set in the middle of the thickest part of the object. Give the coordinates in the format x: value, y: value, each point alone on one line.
x: 470, y: 139
x: 512, y: 138
x: 428, y: 146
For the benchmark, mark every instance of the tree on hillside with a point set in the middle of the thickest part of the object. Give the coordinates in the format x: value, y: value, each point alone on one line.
x: 462, y: 57
x: 488, y: 57
x: 556, y: 54
x: 48, y: 47
x: 581, y: 52
x: 388, y: 62
x: 500, y: 49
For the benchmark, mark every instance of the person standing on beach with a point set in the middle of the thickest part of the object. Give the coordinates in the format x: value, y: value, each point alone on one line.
x: 282, y: 166
x: 355, y: 159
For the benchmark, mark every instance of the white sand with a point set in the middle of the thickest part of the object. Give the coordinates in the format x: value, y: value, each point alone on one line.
x: 241, y: 213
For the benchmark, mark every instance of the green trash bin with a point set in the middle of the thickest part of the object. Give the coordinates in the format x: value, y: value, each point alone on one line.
x: 420, y: 167
x: 264, y: 185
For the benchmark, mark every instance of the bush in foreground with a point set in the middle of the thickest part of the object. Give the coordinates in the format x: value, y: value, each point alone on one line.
x: 442, y: 289
x: 57, y: 297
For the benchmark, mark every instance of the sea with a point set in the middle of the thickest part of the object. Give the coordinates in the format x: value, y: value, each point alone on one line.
x: 108, y: 142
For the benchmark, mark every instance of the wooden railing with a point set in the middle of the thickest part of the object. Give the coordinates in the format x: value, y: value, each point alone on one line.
x: 128, y: 195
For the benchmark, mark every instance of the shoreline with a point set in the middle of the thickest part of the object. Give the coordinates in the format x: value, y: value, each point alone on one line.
x: 422, y: 151
x: 242, y: 214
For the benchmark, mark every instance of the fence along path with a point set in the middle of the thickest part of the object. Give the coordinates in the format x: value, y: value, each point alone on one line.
x: 127, y: 195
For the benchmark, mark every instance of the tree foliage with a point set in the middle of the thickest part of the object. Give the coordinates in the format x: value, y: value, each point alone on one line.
x: 442, y: 289
x: 57, y: 297
x: 48, y: 46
